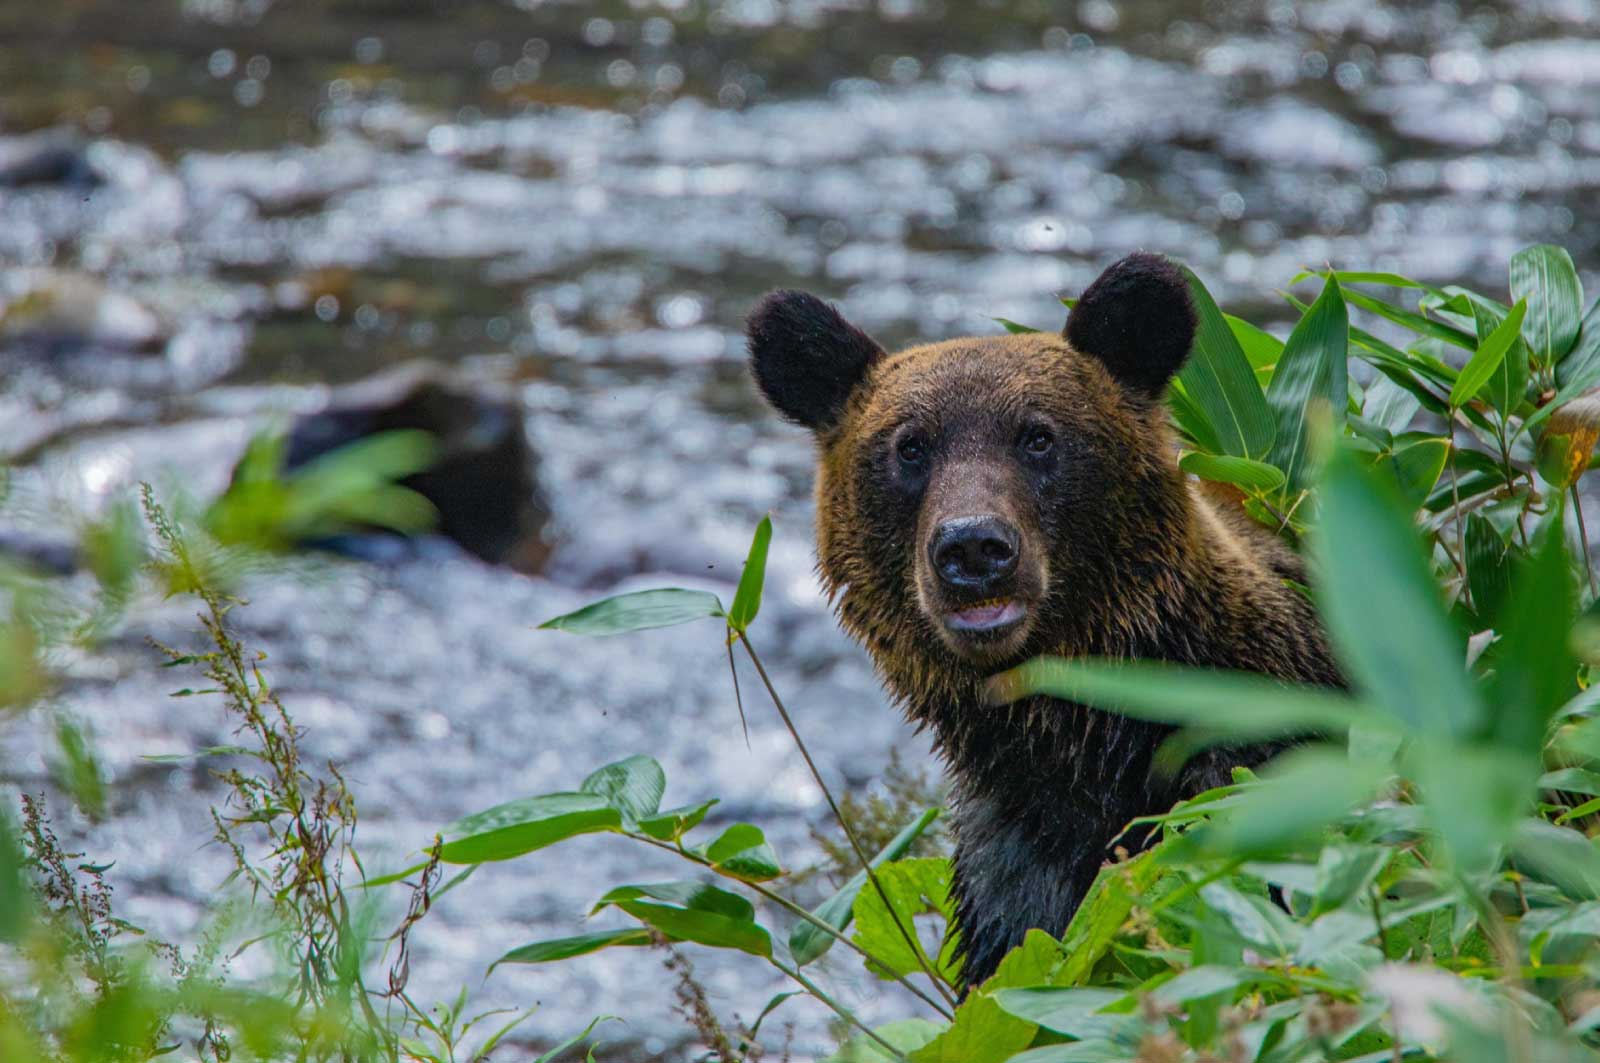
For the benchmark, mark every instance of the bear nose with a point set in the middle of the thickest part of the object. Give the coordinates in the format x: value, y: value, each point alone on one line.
x: 975, y: 553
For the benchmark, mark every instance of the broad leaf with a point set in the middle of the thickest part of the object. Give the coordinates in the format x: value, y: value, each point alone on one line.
x: 1299, y: 795
x: 1219, y: 381
x: 518, y: 827
x: 985, y: 1032
x: 580, y: 945
x: 638, y: 611
x: 1311, y: 373
x: 674, y: 823
x: 904, y: 1037
x: 747, y: 599
x: 743, y: 852
x: 1382, y: 606
x: 633, y: 786
x: 1488, y: 567
x: 1533, y: 667
x: 807, y: 941
x: 1568, y: 440
x: 1488, y: 360
x: 1238, y: 704
x: 1543, y: 276
x: 1224, y: 468
x: 1104, y: 911
x: 1066, y: 1010
x: 1473, y: 796
x: 912, y: 887
x: 1508, y: 385
x: 693, y: 911
x: 1415, y: 322
x: 1415, y: 466
x: 1389, y: 405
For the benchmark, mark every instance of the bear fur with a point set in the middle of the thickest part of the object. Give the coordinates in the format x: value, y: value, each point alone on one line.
x: 1089, y: 541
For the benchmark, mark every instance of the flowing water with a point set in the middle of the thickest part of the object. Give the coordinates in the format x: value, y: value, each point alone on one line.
x: 575, y: 204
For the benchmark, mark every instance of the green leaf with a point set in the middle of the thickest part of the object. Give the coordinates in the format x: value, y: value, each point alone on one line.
x: 1299, y: 795
x: 1345, y: 276
x: 1543, y: 276
x: 1560, y: 855
x: 693, y: 911
x: 1580, y: 369
x: 1223, y: 468
x: 806, y: 941
x: 1311, y: 372
x: 983, y: 1031
x: 1066, y: 1010
x: 1012, y: 327
x: 567, y: 948
x: 1258, y: 923
x: 1220, y: 383
x: 913, y: 887
x: 1508, y: 385
x: 1261, y: 347
x: 905, y: 1036
x: 1239, y: 704
x: 1534, y: 669
x: 674, y: 823
x: 518, y: 827
x: 1389, y: 405
x: 638, y: 611
x: 1487, y: 360
x: 743, y: 852
x: 1473, y: 797
x: 1415, y: 322
x: 1205, y: 981
x: 747, y: 599
x: 1488, y: 567
x: 1571, y: 780
x: 1345, y: 872
x: 1382, y: 606
x: 1103, y: 913
x: 1414, y: 467
x: 633, y: 786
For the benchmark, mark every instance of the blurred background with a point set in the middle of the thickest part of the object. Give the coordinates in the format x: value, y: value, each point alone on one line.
x: 533, y: 228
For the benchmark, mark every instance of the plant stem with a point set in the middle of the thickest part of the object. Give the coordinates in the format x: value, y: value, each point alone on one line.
x: 838, y: 1009
x: 849, y: 832
x: 1583, y: 539
x: 796, y: 910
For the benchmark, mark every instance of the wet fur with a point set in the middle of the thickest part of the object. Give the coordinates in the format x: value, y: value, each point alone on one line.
x: 1140, y: 563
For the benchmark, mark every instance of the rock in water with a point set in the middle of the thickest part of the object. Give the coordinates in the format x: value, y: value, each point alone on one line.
x: 56, y: 156
x: 486, y: 482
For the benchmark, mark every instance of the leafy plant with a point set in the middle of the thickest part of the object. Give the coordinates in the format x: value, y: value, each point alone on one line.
x: 1412, y: 879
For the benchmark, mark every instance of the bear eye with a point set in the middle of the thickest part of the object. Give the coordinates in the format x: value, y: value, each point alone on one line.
x: 911, y: 450
x: 1038, y: 441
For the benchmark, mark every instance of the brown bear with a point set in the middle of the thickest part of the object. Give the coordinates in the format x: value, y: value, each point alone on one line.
x: 982, y: 501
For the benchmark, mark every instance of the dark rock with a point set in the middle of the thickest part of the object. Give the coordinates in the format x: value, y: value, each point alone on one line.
x: 54, y: 556
x: 48, y: 157
x: 486, y: 482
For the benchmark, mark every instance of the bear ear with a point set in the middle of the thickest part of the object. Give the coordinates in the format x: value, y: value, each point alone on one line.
x: 1138, y: 319
x: 806, y: 358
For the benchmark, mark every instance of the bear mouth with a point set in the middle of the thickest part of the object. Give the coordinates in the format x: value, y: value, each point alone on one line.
x: 988, y: 617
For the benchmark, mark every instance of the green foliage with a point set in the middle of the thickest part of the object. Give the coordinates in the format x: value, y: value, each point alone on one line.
x: 1413, y: 878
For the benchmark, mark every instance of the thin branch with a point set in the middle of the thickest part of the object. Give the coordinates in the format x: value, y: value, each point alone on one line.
x: 1583, y: 539
x: 849, y: 832
x: 838, y: 1009
x: 796, y: 910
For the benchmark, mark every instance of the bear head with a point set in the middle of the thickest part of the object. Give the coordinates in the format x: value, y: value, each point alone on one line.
x: 983, y: 500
